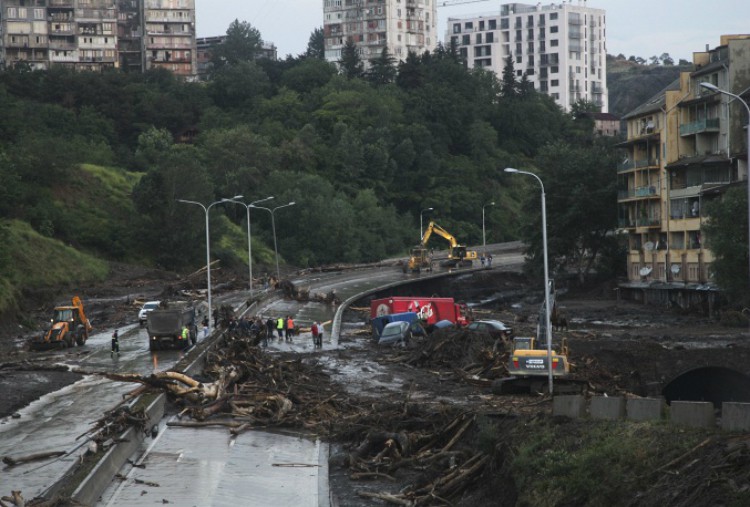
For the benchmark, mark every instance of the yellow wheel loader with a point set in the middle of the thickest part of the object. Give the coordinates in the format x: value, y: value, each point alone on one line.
x: 68, y: 327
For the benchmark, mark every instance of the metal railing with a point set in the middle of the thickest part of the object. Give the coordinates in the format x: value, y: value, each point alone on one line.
x: 696, y: 127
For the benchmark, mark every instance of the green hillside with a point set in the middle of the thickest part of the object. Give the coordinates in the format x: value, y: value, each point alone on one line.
x: 631, y: 84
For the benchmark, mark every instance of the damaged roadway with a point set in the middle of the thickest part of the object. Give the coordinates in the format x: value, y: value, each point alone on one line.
x: 619, y: 349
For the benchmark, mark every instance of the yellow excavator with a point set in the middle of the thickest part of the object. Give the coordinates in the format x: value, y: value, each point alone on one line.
x: 69, y: 326
x: 458, y: 255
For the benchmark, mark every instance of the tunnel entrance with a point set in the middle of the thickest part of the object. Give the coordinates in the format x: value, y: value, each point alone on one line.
x: 710, y: 383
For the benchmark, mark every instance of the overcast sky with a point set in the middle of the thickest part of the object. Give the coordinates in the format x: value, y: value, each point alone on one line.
x: 634, y: 27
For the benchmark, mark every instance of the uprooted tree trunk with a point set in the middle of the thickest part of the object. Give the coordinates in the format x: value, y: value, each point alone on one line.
x: 183, y: 385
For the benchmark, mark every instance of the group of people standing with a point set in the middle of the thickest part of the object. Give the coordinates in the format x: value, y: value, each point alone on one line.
x: 285, y: 329
x: 486, y: 260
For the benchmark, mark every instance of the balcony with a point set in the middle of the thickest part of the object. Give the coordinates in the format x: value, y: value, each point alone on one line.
x: 632, y: 193
x: 627, y: 165
x: 696, y: 127
x: 648, y: 222
x: 625, y: 223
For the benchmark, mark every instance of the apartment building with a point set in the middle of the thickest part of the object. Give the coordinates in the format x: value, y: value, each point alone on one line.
x: 94, y: 35
x: 561, y: 47
x: 684, y: 147
x: 169, y: 37
x: 400, y: 26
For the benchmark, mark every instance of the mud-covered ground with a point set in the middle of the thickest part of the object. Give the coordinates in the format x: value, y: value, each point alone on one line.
x: 624, y: 348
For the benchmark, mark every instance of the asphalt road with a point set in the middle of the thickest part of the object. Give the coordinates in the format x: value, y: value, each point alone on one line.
x: 200, y: 467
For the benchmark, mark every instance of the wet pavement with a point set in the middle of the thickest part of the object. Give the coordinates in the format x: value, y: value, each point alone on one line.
x: 191, y: 466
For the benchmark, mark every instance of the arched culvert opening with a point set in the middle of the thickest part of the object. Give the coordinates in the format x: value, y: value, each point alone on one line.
x: 711, y: 383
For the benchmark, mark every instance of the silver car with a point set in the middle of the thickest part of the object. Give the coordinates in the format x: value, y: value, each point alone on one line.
x: 150, y: 306
x: 494, y: 328
x: 395, y: 333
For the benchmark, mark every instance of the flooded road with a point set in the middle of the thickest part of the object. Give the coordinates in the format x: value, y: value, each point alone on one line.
x: 191, y: 466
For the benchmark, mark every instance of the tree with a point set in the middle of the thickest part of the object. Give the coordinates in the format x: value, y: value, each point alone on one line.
x: 665, y: 59
x: 351, y: 62
x: 654, y: 60
x: 640, y: 60
x: 316, y: 45
x: 726, y: 236
x: 243, y: 43
x: 509, y: 85
x: 382, y: 69
x: 581, y: 206
x: 410, y: 72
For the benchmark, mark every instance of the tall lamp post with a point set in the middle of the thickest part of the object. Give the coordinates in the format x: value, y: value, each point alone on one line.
x: 421, y: 231
x: 484, y: 241
x: 273, y: 227
x: 206, y: 209
x: 249, y: 242
x: 714, y: 88
x: 547, y: 309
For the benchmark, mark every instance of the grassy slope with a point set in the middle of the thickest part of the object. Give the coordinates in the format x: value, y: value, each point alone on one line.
x: 630, y: 84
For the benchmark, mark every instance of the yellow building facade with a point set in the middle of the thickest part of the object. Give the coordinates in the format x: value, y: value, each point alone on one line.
x: 684, y: 147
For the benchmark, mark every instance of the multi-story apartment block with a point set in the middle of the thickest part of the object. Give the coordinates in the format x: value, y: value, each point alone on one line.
x: 683, y: 148
x: 400, y: 26
x: 170, y: 36
x: 560, y: 47
x: 94, y: 35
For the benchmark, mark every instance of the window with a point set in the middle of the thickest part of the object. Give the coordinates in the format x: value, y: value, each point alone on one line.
x: 490, y: 37
x: 469, y: 26
x: 478, y: 38
x: 554, y: 69
x: 555, y: 82
x: 481, y: 25
x: 553, y: 29
x: 553, y: 16
x: 554, y: 43
x: 456, y: 27
x: 465, y: 40
x: 493, y: 24
x: 519, y: 73
x: 504, y: 23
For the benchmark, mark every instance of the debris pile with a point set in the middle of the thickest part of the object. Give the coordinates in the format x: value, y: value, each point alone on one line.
x: 476, y: 358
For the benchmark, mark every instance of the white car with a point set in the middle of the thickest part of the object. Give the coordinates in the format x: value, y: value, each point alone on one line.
x: 145, y: 309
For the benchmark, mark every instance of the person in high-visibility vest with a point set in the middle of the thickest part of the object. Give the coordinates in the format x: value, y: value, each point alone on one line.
x: 280, y: 327
x: 185, y: 336
x: 289, y: 327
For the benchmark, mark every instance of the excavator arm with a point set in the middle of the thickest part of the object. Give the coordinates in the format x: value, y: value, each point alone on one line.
x: 433, y: 227
x: 79, y: 304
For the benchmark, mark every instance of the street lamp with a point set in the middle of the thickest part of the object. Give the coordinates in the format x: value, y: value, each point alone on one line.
x: 206, y: 209
x: 484, y: 242
x: 547, y: 309
x: 715, y: 88
x: 249, y: 242
x: 273, y: 227
x: 421, y: 232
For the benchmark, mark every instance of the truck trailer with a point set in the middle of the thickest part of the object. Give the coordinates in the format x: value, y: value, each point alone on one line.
x: 165, y: 326
x: 429, y: 310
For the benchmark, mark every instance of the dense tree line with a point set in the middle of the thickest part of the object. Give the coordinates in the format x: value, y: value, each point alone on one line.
x: 360, y: 149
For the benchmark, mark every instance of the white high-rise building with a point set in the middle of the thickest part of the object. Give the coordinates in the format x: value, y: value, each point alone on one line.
x: 561, y: 47
x: 399, y: 25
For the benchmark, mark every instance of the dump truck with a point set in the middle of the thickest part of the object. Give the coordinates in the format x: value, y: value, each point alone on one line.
x: 165, y: 325
x: 429, y: 310
x: 69, y: 326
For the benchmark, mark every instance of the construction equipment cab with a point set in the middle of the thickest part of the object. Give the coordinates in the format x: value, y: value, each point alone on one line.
x: 458, y: 255
x: 68, y: 326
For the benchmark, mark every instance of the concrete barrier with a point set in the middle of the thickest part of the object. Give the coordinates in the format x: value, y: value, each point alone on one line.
x: 569, y: 406
x: 89, y: 490
x: 693, y: 414
x: 645, y: 409
x: 735, y: 416
x: 607, y: 408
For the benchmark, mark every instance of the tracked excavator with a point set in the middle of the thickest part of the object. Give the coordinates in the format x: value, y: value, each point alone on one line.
x: 69, y: 326
x: 420, y: 257
x: 529, y: 362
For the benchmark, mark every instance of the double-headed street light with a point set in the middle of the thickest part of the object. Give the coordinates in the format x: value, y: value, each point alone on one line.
x: 484, y: 242
x: 714, y: 88
x: 206, y: 209
x: 547, y: 309
x: 249, y: 240
x: 421, y: 231
x: 273, y: 227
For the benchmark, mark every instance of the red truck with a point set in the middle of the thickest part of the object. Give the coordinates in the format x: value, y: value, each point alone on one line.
x: 429, y: 309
